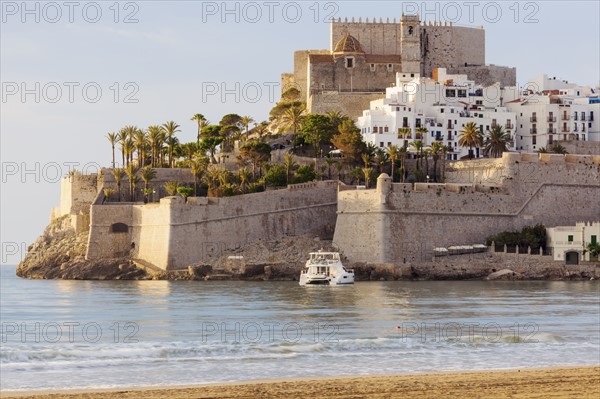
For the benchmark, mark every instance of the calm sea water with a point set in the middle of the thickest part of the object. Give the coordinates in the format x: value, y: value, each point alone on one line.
x: 100, y: 334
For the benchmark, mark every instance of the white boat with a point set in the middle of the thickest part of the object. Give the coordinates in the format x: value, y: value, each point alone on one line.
x: 325, y: 268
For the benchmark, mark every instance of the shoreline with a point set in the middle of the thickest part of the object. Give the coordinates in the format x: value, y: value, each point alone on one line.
x: 549, y: 382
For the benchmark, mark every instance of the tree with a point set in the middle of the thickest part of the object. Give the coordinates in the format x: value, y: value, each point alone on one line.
x: 140, y: 141
x: 349, y: 141
x: 304, y: 174
x: 244, y: 176
x: 292, y: 117
x: 367, y: 172
x: 211, y: 138
x: 593, y: 249
x: 336, y: 118
x: 129, y: 148
x: 470, y: 137
x: 108, y: 192
x: 291, y: 94
x: 366, y: 158
x: 559, y: 149
x: 289, y: 165
x: 171, y: 128
x: 417, y: 146
x: 393, y: 153
x: 171, y: 187
x: 231, y: 119
x: 317, y: 129
x: 403, y: 133
x: 276, y: 176
x: 201, y: 121
x: 497, y: 141
x: 421, y: 132
x: 257, y: 153
x: 436, y: 149
x: 118, y: 174
x: 156, y: 139
x: 198, y: 166
x: 148, y: 174
x: 261, y: 129
x: 185, y: 192
x: 131, y: 172
x: 112, y: 139
x: 245, y: 121
x: 402, y: 151
x: 330, y: 162
x: 380, y: 159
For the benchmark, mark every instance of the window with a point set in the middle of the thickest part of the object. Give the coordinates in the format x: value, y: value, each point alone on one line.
x: 534, y: 139
x: 570, y: 238
x: 442, y: 110
x: 390, y: 67
x: 372, y: 67
x: 412, y: 75
x: 381, y: 144
x: 450, y: 93
x: 385, y: 129
x: 594, y: 240
x: 349, y: 62
x: 119, y: 228
x: 462, y: 93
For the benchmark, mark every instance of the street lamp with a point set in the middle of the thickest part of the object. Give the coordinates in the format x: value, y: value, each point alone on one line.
x: 427, y: 178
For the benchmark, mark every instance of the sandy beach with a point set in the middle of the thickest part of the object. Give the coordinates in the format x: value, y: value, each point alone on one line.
x: 573, y: 382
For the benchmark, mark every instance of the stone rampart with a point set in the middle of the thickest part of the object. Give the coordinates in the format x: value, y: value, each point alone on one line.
x: 396, y: 223
x: 174, y: 234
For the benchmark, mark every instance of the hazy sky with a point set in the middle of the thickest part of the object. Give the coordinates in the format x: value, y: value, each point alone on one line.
x: 73, y: 71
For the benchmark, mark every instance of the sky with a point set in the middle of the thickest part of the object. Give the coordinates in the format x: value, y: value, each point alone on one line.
x: 72, y: 72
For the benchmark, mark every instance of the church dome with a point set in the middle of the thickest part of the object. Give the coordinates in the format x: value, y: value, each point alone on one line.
x: 348, y: 45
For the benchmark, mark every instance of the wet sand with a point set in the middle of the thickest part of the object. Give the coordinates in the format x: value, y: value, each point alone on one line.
x: 572, y: 382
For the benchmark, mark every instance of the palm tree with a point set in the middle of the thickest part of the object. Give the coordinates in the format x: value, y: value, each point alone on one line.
x: 497, y: 141
x: 171, y: 187
x: 402, y: 151
x: 245, y: 121
x: 212, y: 177
x: 436, y: 149
x: 543, y: 150
x: 392, y: 153
x: 289, y: 164
x: 171, y: 128
x: 292, y: 118
x: 129, y: 149
x: 421, y: 131
x: 261, y: 129
x: 470, y: 137
x: 131, y: 172
x: 148, y: 173
x: 198, y: 166
x: 559, y: 149
x: 339, y: 166
x: 403, y: 132
x: 244, y: 175
x: 201, y: 121
x: 367, y: 172
x: 118, y: 174
x: 329, y: 162
x: 366, y: 158
x: 112, y: 139
x: 380, y: 159
x: 108, y: 192
x: 445, y: 150
x: 417, y: 145
x: 156, y: 138
x: 122, y: 137
x: 140, y: 140
x: 335, y: 117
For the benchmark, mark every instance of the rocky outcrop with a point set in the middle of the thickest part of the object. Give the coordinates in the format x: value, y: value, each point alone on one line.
x: 59, y: 253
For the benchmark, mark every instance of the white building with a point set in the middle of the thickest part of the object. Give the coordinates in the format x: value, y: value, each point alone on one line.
x: 569, y: 243
x: 435, y: 109
x: 551, y: 110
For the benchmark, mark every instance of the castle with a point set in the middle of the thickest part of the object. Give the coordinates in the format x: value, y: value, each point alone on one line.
x: 364, y: 57
x: 394, y: 223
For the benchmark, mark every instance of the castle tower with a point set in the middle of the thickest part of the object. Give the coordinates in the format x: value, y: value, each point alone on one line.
x: 410, y: 43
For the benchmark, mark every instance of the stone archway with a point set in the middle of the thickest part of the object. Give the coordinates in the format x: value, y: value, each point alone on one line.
x: 572, y: 258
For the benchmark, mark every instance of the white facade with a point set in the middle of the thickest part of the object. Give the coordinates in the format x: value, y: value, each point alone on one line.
x: 570, y: 239
x: 443, y: 105
x: 557, y: 111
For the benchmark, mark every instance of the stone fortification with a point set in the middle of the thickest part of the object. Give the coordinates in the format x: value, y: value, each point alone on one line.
x: 173, y: 234
x: 399, y: 223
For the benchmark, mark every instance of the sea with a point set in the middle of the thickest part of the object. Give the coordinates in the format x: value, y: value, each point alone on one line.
x: 60, y: 334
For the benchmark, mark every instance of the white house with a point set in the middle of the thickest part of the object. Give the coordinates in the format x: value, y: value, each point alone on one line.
x: 569, y: 243
x: 435, y: 109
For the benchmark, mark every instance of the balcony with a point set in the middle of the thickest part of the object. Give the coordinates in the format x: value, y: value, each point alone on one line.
x: 552, y: 131
x: 509, y: 126
x: 566, y: 117
x: 450, y: 125
x: 575, y: 117
x: 533, y: 119
x: 533, y: 130
x: 565, y: 129
x: 439, y: 138
x: 552, y: 119
x: 582, y: 117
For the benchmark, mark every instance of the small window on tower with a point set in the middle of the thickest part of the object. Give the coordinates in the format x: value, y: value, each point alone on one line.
x: 372, y: 67
x: 349, y: 62
x: 410, y: 30
x: 390, y: 67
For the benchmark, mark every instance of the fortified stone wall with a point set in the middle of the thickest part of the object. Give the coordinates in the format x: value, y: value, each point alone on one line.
x: 163, y: 175
x: 76, y: 194
x: 487, y: 75
x: 399, y: 223
x: 173, y: 234
x: 351, y: 104
x: 374, y: 37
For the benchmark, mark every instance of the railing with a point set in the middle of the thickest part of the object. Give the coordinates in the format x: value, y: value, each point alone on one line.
x: 533, y: 119
x: 582, y: 117
x: 566, y: 117
x: 552, y: 119
x: 509, y: 126
x: 575, y: 117
x: 533, y: 131
x: 551, y: 130
x: 566, y: 129
x: 439, y: 138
